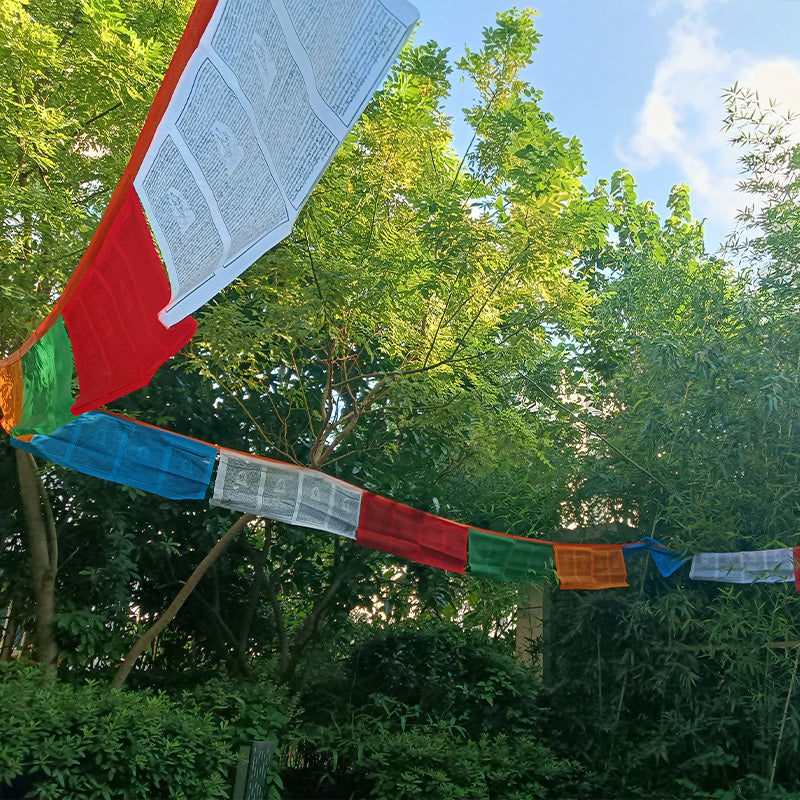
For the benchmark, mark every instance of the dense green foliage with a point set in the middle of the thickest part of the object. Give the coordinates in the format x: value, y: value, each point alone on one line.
x: 476, y: 335
x: 694, y: 366
x: 63, y: 742
x: 432, y: 712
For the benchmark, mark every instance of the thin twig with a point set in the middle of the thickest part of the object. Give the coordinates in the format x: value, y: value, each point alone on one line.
x: 599, y: 435
x: 783, y: 720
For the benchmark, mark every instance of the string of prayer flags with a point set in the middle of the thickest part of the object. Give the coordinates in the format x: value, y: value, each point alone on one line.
x: 286, y: 493
x: 132, y: 453
x: 121, y: 450
x: 667, y: 561
x: 509, y: 558
x: 262, y: 105
x: 403, y: 531
x: 46, y: 386
x: 595, y: 566
x: 759, y: 566
x: 112, y: 316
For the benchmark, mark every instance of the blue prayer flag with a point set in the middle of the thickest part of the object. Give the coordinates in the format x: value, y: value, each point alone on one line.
x: 127, y: 452
x: 666, y: 560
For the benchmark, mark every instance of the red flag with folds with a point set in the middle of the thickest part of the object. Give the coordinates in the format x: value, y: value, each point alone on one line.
x: 117, y: 340
x: 414, y: 535
x: 796, y: 557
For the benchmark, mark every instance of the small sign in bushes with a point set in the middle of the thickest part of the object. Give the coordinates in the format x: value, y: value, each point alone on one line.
x: 252, y: 770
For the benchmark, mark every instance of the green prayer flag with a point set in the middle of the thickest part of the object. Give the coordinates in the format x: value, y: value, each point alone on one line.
x: 47, y: 383
x: 502, y: 558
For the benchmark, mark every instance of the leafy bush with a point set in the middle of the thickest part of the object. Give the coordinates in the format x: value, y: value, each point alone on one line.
x: 677, y: 691
x: 441, y: 672
x: 255, y: 708
x: 90, y: 742
x: 381, y: 758
x: 437, y: 713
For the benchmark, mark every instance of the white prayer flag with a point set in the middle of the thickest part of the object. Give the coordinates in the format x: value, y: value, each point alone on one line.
x: 286, y: 493
x: 758, y: 566
x: 258, y: 113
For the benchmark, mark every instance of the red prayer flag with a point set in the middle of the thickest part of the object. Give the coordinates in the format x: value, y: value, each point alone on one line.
x: 117, y: 340
x: 590, y: 566
x: 403, y: 531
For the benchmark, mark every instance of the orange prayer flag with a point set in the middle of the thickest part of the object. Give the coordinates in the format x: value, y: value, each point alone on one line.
x: 11, y: 384
x: 590, y: 566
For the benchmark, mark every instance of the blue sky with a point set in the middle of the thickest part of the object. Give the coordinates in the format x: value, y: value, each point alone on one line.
x: 639, y: 82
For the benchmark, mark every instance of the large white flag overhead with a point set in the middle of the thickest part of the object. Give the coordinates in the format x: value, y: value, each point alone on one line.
x: 261, y: 107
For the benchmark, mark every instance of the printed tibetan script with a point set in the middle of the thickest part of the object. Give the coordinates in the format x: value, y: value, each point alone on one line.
x: 263, y: 104
x: 760, y: 566
x: 286, y: 493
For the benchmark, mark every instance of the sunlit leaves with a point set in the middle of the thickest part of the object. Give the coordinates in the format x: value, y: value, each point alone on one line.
x: 75, y: 84
x: 414, y: 278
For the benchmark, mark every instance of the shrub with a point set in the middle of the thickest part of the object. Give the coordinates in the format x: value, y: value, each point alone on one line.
x: 380, y: 758
x: 94, y: 743
x: 440, y: 714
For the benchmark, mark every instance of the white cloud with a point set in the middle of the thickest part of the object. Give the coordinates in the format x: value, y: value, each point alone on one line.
x: 779, y: 81
x: 692, y: 6
x: 679, y: 122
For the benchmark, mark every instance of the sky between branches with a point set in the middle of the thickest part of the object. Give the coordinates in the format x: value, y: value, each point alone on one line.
x: 639, y: 82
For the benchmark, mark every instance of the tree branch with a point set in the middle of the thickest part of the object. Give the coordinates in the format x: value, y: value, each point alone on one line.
x: 313, y: 621
x: 600, y: 436
x: 280, y: 625
x: 259, y: 560
x: 174, y: 607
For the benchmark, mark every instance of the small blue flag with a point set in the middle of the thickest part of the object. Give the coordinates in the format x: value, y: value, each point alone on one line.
x: 666, y: 560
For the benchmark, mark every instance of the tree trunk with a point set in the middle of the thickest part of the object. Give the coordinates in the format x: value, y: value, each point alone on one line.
x: 312, y: 625
x: 174, y: 607
x: 9, y: 631
x: 531, y: 613
x: 43, y: 551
